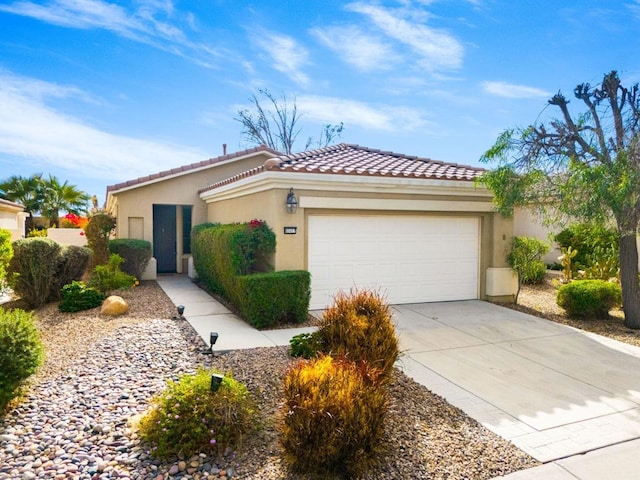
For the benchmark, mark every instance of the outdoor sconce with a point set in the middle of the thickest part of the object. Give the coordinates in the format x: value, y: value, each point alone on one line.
x: 216, y: 380
x: 292, y: 202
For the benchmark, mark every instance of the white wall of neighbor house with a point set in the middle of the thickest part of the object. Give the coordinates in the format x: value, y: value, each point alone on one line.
x: 67, y: 236
x: 13, y: 220
x: 528, y: 224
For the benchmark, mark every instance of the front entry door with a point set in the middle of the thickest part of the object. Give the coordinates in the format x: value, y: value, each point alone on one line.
x: 164, y: 237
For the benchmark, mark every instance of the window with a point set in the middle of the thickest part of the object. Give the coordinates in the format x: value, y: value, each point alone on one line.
x: 186, y: 228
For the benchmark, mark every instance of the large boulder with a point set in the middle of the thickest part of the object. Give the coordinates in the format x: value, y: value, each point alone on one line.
x: 114, y: 306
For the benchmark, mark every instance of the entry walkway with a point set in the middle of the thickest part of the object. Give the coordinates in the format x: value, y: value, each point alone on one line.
x: 206, y: 315
x: 568, y: 398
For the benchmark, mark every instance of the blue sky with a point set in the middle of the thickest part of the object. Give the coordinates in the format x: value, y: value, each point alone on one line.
x: 98, y: 92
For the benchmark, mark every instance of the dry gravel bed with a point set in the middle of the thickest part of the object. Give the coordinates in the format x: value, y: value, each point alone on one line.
x: 540, y: 300
x: 426, y: 437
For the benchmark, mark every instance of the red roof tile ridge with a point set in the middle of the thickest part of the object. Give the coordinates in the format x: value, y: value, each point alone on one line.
x: 192, y: 166
x: 235, y: 178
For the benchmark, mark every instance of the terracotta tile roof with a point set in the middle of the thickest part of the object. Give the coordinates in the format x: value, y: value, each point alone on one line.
x: 192, y: 166
x: 347, y: 159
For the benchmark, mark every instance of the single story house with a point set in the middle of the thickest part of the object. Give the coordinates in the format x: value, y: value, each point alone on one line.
x: 415, y: 229
x: 12, y: 218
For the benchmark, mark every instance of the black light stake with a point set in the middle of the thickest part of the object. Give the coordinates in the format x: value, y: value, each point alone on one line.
x: 216, y: 380
x: 213, y: 338
x: 180, y: 316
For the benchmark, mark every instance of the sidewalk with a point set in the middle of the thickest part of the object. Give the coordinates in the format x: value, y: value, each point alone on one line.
x: 206, y: 315
x: 439, y: 353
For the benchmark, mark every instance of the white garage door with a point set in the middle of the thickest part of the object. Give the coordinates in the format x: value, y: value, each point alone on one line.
x: 409, y: 259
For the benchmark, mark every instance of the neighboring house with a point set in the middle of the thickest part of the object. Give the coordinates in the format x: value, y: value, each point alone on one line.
x: 12, y: 218
x: 527, y: 223
x: 417, y: 229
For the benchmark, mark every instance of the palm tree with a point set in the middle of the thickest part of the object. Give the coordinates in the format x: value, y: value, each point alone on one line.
x: 58, y: 196
x: 26, y: 191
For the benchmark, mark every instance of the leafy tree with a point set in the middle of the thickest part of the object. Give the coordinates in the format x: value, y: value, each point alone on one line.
x: 26, y: 191
x: 276, y: 126
x: 58, y: 197
x: 585, y: 166
x: 45, y: 196
x: 525, y: 257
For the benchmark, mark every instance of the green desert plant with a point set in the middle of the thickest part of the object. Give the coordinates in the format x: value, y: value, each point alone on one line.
x: 6, y: 252
x: 187, y: 418
x: 109, y: 277
x: 33, y: 269
x: 589, y: 298
x: 21, y: 351
x: 76, y: 296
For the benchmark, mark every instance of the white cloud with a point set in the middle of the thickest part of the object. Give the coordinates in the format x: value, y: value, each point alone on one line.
x: 436, y: 49
x: 288, y: 57
x: 144, y: 25
x: 32, y: 130
x: 358, y: 114
x: 508, y: 90
x: 364, y: 52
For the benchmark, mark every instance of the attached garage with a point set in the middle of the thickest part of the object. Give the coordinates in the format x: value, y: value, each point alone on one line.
x: 408, y: 258
x: 414, y: 229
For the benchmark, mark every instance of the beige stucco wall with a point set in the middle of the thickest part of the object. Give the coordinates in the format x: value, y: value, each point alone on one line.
x: 527, y: 224
x: 291, y: 251
x: 12, y: 219
x: 133, y: 207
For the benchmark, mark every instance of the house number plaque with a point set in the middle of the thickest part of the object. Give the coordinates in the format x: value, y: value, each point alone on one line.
x: 290, y: 230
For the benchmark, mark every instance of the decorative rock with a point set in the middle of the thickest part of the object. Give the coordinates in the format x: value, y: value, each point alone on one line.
x: 114, y: 306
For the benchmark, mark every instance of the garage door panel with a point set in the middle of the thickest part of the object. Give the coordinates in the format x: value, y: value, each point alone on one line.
x: 408, y: 259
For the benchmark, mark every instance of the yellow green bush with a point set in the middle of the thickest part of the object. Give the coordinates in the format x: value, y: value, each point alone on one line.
x: 359, y: 327
x: 187, y: 418
x: 333, y: 417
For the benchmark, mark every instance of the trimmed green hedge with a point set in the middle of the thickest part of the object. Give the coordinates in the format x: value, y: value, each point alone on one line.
x: 136, y: 254
x: 272, y: 298
x: 234, y: 261
x: 589, y: 298
x: 202, y: 247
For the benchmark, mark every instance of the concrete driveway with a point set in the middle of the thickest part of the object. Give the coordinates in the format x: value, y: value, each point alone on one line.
x: 552, y: 390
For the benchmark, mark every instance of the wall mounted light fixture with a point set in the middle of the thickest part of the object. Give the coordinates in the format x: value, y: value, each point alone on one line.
x: 292, y: 202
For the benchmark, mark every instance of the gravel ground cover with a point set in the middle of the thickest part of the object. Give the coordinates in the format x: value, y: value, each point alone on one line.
x: 76, y: 422
x: 540, y: 300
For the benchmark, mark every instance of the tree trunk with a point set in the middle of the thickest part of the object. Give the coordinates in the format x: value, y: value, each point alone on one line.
x: 629, y: 279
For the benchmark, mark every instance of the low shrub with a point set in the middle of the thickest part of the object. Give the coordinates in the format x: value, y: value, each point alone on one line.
x: 305, y: 345
x: 76, y: 296
x: 136, y: 254
x: 109, y: 277
x: 359, y: 327
x: 525, y: 257
x: 21, y: 351
x: 333, y: 418
x: 72, y: 265
x: 33, y: 269
x: 187, y: 418
x: 589, y: 298
x: 589, y: 239
x: 6, y: 252
x: 98, y: 231
x: 268, y: 299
